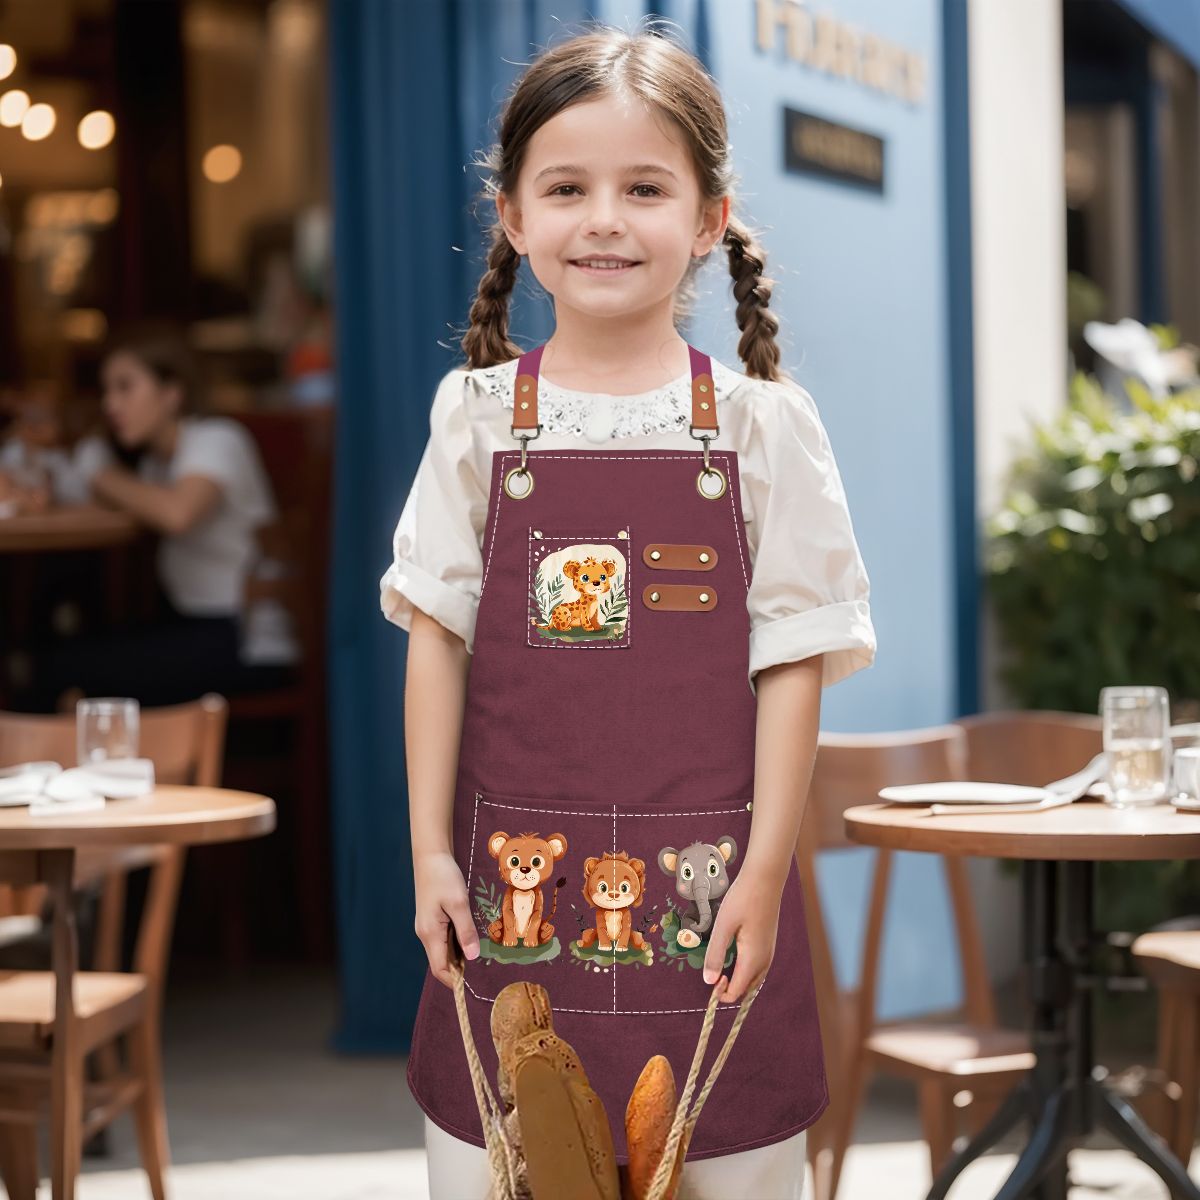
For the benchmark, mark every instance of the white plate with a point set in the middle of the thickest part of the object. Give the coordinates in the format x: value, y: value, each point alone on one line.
x: 1186, y: 803
x: 962, y: 792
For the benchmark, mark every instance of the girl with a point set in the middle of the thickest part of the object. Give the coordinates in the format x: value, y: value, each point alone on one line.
x: 198, y: 482
x: 618, y: 635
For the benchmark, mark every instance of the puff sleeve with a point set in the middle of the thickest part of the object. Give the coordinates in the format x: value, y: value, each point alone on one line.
x: 437, y: 564
x: 809, y: 593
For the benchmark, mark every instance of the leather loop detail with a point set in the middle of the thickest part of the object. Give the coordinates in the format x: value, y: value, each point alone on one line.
x: 704, y: 404
x: 525, y: 394
x: 674, y: 556
x: 679, y: 597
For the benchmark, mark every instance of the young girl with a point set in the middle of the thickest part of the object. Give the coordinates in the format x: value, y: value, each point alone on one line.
x: 619, y: 634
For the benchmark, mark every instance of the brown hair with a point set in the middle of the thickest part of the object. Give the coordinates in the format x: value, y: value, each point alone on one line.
x: 161, y: 346
x: 661, y: 73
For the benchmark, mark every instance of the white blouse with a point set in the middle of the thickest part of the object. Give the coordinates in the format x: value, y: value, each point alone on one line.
x: 809, y: 591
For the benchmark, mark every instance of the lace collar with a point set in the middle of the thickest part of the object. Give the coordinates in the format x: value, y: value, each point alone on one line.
x: 600, y: 415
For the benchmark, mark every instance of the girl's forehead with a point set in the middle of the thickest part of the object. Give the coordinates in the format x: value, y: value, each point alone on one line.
x: 610, y: 133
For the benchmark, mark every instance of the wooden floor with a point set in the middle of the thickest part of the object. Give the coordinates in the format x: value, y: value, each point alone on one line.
x: 250, y: 1107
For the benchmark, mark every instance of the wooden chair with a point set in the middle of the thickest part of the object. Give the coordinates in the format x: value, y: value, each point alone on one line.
x: 186, y: 743
x: 1171, y: 959
x: 296, y: 446
x: 943, y: 1059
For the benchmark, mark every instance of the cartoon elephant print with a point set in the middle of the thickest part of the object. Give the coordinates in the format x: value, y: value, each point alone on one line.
x: 701, y: 878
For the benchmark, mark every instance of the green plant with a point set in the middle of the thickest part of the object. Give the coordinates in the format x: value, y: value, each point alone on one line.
x: 1093, y: 566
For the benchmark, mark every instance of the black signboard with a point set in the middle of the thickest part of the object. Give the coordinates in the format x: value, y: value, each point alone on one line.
x: 815, y: 146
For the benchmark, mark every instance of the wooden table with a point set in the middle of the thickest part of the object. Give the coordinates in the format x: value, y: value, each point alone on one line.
x: 42, y: 850
x: 76, y: 527
x: 1065, y: 1095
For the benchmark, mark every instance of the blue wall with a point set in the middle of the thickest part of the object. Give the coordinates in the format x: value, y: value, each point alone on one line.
x: 862, y: 292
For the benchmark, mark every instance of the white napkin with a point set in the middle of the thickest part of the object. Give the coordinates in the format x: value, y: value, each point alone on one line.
x: 47, y: 788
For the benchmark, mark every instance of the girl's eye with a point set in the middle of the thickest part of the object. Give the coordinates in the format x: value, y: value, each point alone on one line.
x: 651, y: 186
x: 558, y: 191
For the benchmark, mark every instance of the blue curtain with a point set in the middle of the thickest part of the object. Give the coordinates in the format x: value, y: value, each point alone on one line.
x: 416, y: 86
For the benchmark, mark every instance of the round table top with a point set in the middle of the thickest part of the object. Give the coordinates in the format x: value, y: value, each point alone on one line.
x: 70, y: 527
x: 185, y: 816
x: 1086, y: 831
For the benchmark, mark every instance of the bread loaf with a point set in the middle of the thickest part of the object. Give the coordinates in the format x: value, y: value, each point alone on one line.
x: 648, y: 1117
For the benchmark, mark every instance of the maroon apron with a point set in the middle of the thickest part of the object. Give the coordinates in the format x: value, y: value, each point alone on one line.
x: 605, y: 781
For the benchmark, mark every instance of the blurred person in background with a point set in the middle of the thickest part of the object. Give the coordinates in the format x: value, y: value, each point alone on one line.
x: 198, y: 482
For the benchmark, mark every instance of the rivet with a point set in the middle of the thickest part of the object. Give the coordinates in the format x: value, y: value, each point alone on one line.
x: 653, y: 595
x: 524, y: 403
x: 703, y: 557
x: 537, y: 533
x: 703, y: 597
x: 622, y: 534
x: 704, y: 405
x: 524, y: 387
x: 704, y: 387
x: 654, y: 554
x: 749, y: 805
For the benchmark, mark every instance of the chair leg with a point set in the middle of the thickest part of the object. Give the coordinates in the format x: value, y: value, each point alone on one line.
x: 819, y: 1151
x: 937, y: 1121
x: 18, y: 1160
x: 1186, y: 1072
x: 149, y: 1111
x: 847, y: 1111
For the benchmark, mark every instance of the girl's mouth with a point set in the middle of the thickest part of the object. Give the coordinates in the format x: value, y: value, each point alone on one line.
x: 600, y: 267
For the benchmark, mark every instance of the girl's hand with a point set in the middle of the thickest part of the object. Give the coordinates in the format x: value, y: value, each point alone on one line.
x: 749, y: 912
x: 441, y: 895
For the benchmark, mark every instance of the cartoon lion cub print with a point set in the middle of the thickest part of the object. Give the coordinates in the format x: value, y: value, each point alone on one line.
x: 526, y: 860
x: 613, y: 884
x: 592, y: 579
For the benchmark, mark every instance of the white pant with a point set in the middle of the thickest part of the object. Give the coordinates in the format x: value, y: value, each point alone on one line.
x: 459, y: 1171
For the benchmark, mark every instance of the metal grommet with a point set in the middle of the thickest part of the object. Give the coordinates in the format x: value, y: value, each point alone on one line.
x: 656, y: 555
x: 524, y: 471
x: 653, y: 595
x: 703, y: 597
x: 700, y: 478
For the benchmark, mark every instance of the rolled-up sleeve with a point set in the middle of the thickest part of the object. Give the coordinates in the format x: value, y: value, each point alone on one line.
x: 810, y: 593
x: 437, y: 564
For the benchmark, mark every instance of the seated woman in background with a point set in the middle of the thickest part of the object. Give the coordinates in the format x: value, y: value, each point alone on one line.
x: 197, y: 481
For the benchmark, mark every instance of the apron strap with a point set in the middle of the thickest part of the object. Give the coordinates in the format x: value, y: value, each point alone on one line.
x: 525, y: 395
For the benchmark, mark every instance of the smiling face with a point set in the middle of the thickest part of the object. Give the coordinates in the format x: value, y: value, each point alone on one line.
x: 610, y: 179
x: 590, y: 577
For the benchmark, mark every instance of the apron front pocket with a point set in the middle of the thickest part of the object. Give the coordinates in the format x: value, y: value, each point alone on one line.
x: 579, y: 589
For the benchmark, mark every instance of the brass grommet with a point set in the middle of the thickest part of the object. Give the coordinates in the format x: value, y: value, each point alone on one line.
x: 653, y: 595
x: 524, y: 471
x: 700, y: 483
x: 703, y: 557
x: 656, y: 555
x: 703, y: 597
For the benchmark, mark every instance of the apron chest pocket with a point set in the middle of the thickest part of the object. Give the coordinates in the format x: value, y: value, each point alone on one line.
x: 579, y: 590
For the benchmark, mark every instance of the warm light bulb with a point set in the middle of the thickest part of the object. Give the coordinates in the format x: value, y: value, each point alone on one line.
x: 96, y: 130
x: 8, y: 61
x: 38, y: 122
x: 222, y: 163
x: 13, y: 106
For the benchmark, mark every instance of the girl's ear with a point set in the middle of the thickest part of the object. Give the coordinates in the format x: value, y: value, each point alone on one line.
x: 713, y: 223
x: 510, y: 218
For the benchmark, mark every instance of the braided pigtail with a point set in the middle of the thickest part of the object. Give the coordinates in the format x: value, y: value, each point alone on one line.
x: 752, y: 290
x: 486, y: 341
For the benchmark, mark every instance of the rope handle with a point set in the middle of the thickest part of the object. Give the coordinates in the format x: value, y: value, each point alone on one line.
x: 684, y: 1122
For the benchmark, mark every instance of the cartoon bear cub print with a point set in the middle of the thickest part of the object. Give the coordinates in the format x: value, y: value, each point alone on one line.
x: 526, y: 860
x: 700, y: 875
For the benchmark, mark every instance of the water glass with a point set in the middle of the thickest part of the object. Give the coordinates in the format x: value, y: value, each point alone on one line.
x: 106, y: 727
x: 1137, y: 744
x: 1187, y: 773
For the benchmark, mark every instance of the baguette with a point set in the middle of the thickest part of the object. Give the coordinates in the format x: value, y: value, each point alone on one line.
x: 648, y: 1117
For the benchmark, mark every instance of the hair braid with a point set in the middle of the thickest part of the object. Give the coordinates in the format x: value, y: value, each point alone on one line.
x: 752, y: 290
x: 486, y: 341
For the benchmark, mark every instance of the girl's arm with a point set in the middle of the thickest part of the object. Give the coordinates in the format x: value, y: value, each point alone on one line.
x: 169, y: 508
x: 435, y: 693
x: 789, y: 713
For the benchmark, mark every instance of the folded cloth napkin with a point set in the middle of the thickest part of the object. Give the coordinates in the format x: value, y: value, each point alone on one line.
x: 47, y: 788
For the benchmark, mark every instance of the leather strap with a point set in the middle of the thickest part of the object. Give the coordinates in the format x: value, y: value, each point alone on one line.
x: 669, y: 556
x: 679, y: 597
x: 525, y: 393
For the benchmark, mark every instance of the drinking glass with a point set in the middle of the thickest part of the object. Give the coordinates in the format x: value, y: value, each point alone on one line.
x: 106, y: 727
x: 1136, y: 744
x: 1187, y: 772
